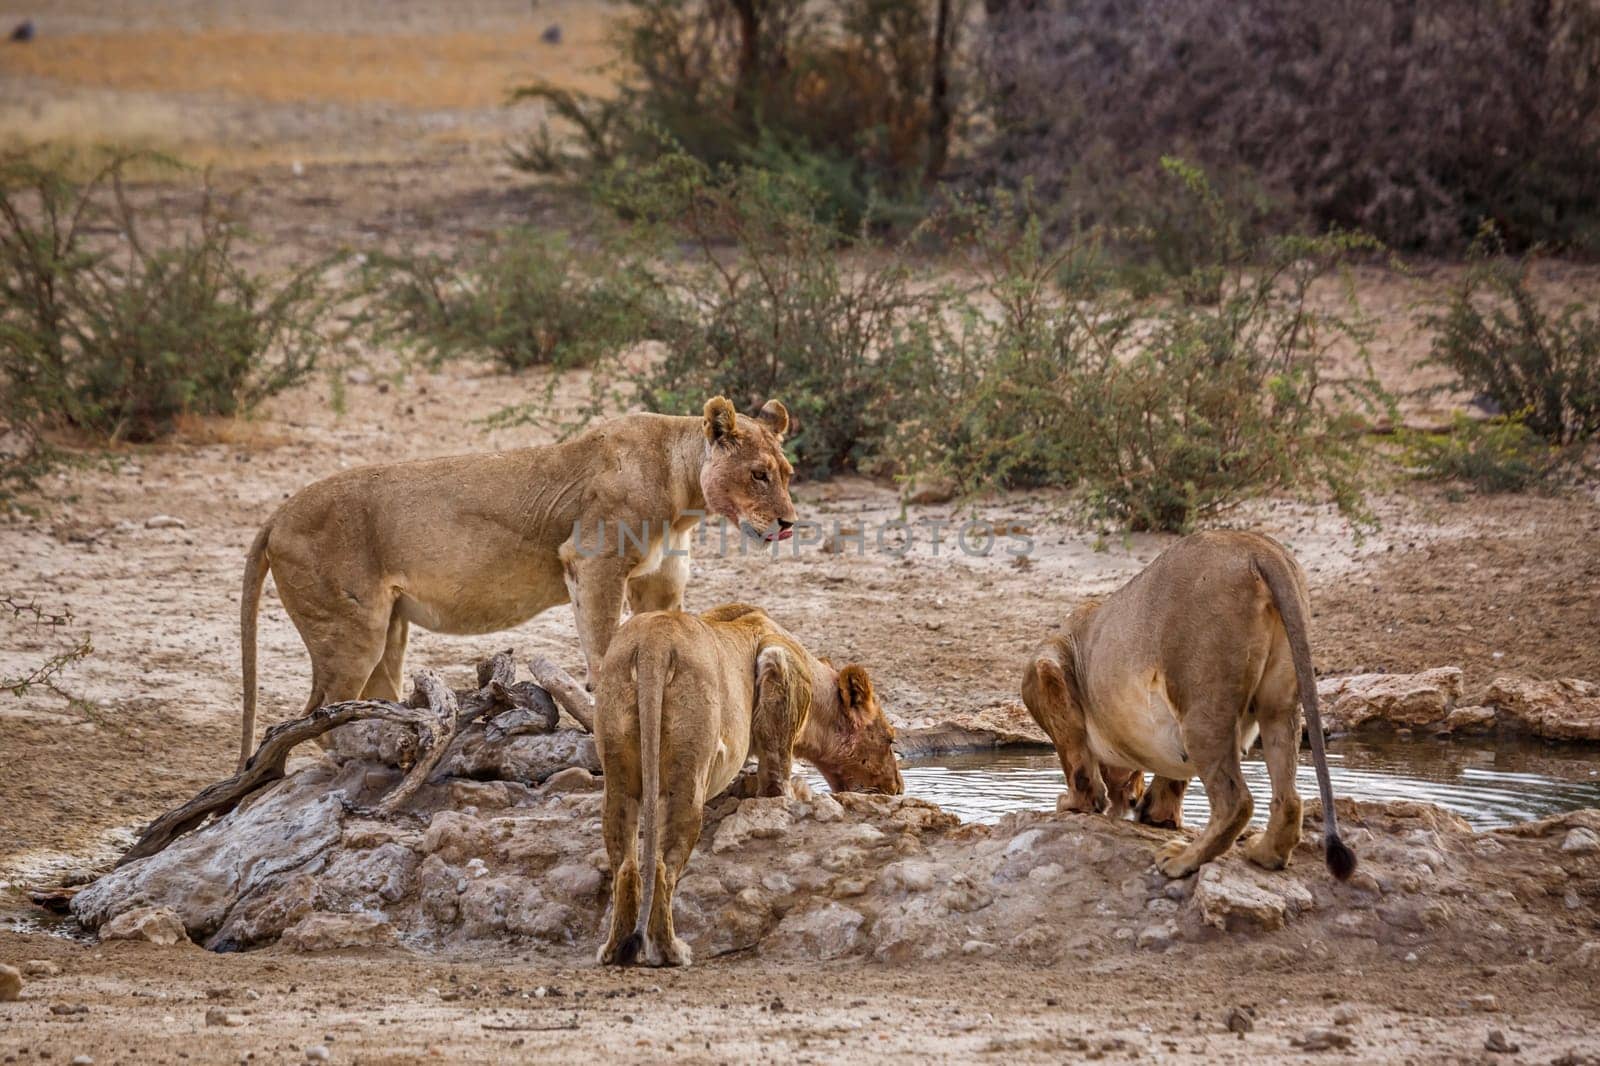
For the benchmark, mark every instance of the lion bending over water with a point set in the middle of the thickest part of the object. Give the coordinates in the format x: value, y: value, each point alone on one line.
x: 682, y: 701
x: 1176, y: 673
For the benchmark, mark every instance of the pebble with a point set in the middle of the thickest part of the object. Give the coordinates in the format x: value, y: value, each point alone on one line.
x: 10, y: 984
x: 165, y: 521
x: 1240, y: 1021
x: 317, y: 1053
x: 220, y: 1016
x: 1486, y: 1003
x: 251, y: 993
x: 83, y: 1060
x: 41, y: 968
x: 1322, y: 1040
x: 1496, y: 1042
x: 1344, y: 1014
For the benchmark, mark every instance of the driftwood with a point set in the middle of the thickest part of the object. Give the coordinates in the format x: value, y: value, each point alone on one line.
x: 437, y: 715
x: 574, y: 699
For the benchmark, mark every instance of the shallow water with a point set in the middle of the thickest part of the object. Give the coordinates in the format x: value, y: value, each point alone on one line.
x: 1488, y: 785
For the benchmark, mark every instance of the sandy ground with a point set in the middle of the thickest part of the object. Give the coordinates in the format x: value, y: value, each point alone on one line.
x: 1496, y: 585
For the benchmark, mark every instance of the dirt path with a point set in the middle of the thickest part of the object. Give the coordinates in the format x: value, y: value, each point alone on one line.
x: 140, y: 998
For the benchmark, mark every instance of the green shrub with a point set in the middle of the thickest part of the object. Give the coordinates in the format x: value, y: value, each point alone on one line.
x: 777, y: 314
x: 855, y: 97
x: 107, y: 329
x: 524, y: 299
x: 1542, y: 365
x: 1498, y: 455
x: 1158, y: 412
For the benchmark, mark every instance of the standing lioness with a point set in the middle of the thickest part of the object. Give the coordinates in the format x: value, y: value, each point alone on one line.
x: 682, y: 701
x: 480, y: 543
x: 1175, y: 673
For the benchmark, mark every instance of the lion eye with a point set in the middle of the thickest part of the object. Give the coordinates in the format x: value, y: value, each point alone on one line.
x: 760, y: 475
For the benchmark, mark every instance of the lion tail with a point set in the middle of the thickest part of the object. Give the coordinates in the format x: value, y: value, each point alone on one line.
x: 1289, y: 597
x: 255, y: 575
x: 652, y: 671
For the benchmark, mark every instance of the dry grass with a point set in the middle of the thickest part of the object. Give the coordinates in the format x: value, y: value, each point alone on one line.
x: 466, y: 70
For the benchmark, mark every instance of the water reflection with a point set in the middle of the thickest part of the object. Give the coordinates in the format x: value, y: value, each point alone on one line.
x: 1487, y: 785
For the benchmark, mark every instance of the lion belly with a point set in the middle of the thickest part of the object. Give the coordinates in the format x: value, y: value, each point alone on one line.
x: 1135, y: 726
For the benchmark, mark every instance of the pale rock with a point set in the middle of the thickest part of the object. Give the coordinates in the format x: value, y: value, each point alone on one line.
x: 457, y: 837
x: 41, y: 968
x: 759, y: 818
x: 824, y: 931
x: 572, y: 779
x: 164, y: 521
x: 1156, y: 937
x: 1580, y: 841
x: 1474, y: 719
x: 334, y: 932
x: 1405, y: 700
x: 1559, y: 710
x: 1045, y: 874
x: 1228, y: 897
x: 575, y: 881
x: 913, y: 876
x: 157, y: 925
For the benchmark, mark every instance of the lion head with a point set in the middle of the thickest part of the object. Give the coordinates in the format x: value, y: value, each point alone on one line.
x: 745, y: 477
x: 857, y: 754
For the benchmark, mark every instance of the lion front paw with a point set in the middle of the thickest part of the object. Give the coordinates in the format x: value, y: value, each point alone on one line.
x: 1176, y: 860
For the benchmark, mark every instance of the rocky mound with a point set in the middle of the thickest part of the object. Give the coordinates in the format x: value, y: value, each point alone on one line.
x: 469, y: 864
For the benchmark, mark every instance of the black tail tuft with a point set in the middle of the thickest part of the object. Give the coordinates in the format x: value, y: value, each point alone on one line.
x: 1341, y: 860
x: 628, y: 950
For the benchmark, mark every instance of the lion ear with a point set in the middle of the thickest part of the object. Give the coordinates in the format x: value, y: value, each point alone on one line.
x: 722, y: 421
x: 775, y: 417
x: 855, y: 692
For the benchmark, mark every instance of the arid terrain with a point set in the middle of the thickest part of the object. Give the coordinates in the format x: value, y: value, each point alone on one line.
x: 360, y: 124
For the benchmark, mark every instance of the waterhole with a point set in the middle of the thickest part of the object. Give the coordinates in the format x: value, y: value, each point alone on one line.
x: 1488, y: 785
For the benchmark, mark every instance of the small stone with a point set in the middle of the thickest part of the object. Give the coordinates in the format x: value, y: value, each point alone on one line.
x: 68, y: 1008
x: 251, y: 994
x: 1239, y: 1021
x: 1581, y: 841
x: 1496, y: 1042
x: 1486, y: 1003
x: 572, y: 779
x: 220, y: 1016
x: 1156, y: 937
x: 157, y: 925
x: 164, y: 521
x: 1322, y: 1040
x: 1344, y: 1014
x: 10, y: 984
x: 41, y: 968
x: 83, y: 1060
x: 317, y: 1053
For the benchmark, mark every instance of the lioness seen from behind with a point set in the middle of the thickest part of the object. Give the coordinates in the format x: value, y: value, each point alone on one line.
x: 481, y: 543
x: 682, y: 701
x: 1176, y: 672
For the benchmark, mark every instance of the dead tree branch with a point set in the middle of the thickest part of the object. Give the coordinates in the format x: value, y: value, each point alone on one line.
x: 564, y: 687
x: 437, y: 715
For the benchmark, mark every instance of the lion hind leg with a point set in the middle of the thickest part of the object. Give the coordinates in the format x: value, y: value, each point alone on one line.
x: 1231, y: 806
x: 684, y: 816
x: 1280, y: 745
x: 621, y: 827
